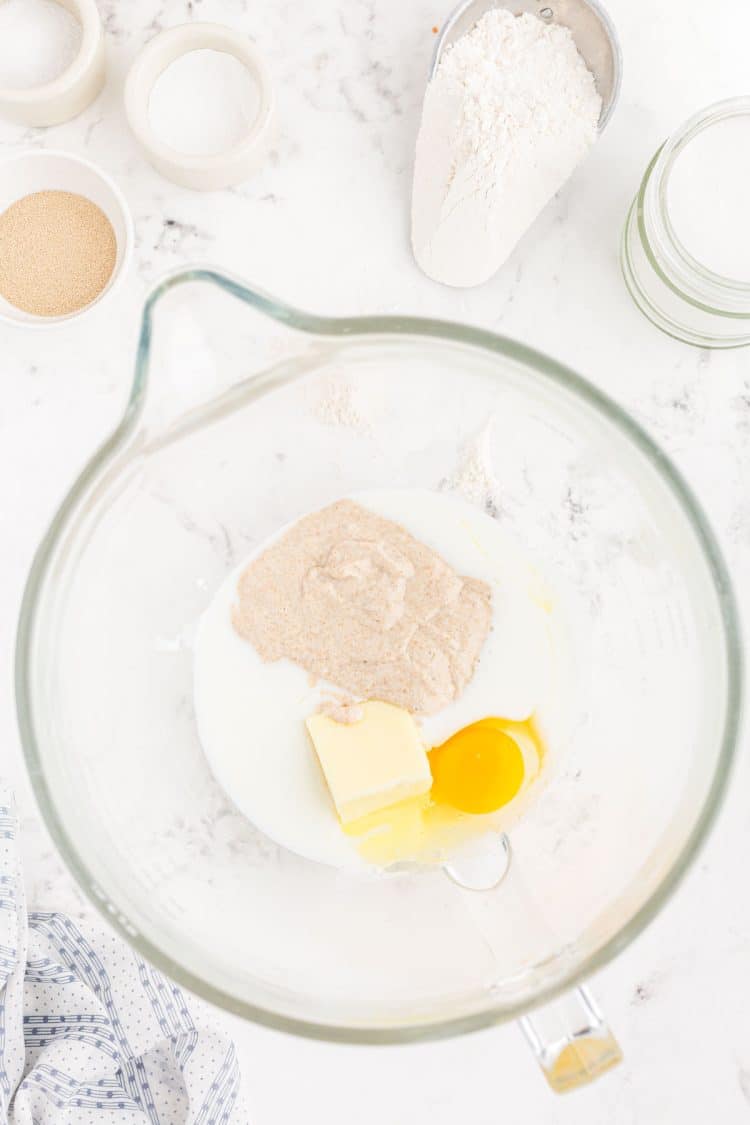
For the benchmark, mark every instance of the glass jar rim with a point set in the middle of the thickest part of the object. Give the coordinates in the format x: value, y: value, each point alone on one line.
x: 685, y: 275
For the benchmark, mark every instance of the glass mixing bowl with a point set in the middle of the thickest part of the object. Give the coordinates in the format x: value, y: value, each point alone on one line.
x: 244, y: 414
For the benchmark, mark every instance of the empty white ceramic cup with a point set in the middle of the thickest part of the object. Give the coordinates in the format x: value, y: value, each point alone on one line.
x: 51, y: 170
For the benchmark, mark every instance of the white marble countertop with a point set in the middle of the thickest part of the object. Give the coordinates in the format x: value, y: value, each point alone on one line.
x: 326, y: 226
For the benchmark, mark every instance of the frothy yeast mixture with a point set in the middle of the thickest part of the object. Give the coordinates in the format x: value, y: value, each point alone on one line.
x: 356, y: 600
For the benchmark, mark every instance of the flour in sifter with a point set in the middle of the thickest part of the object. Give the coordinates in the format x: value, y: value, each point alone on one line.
x: 509, y: 114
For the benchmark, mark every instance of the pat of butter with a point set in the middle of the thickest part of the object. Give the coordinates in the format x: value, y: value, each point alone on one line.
x: 372, y: 763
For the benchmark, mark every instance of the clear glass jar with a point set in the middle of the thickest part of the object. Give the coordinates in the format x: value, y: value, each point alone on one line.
x: 686, y: 243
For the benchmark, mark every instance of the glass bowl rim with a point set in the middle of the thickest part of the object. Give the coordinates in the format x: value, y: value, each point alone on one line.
x: 358, y: 327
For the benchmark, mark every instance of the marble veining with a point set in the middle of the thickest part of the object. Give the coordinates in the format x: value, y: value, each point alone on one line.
x: 325, y: 224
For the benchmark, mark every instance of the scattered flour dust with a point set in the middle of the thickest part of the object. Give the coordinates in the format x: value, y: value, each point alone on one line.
x: 334, y: 405
x: 472, y: 476
x: 511, y: 111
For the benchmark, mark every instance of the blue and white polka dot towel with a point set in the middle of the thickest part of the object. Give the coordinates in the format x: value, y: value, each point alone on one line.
x: 90, y: 1034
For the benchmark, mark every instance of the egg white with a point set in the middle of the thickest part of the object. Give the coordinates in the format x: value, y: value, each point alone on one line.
x: 250, y: 715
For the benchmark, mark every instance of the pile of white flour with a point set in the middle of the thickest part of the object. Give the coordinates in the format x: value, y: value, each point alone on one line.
x: 511, y: 111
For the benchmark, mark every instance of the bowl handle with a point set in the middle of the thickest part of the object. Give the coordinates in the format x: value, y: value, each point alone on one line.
x: 571, y: 1041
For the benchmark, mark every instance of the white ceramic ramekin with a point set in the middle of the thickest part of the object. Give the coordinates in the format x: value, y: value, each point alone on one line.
x: 215, y: 171
x: 72, y: 91
x: 52, y: 170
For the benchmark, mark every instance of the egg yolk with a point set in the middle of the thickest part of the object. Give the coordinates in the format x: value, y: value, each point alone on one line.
x: 478, y: 770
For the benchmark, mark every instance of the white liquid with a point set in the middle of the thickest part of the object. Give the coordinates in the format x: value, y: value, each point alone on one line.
x: 204, y: 103
x: 708, y: 197
x: 250, y: 715
x: 39, y: 39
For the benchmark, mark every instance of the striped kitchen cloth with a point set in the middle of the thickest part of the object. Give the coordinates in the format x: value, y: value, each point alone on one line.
x: 89, y: 1033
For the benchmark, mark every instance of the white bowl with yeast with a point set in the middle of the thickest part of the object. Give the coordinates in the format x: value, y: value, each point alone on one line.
x: 30, y: 172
